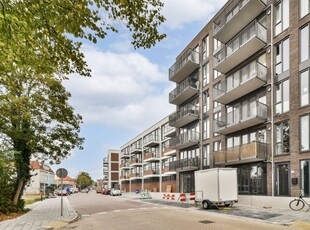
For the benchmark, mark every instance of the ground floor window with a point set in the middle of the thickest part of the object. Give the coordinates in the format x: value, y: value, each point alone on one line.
x: 187, y: 182
x: 252, y: 179
x: 304, y: 176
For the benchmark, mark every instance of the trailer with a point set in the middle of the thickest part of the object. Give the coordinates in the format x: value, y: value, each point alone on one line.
x: 216, y: 187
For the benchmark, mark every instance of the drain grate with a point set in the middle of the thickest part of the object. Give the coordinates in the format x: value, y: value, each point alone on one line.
x: 206, y: 222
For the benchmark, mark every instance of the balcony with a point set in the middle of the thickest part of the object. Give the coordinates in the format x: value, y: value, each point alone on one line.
x: 246, y: 116
x: 252, y: 39
x: 168, y: 152
x: 151, y: 140
x: 134, y: 176
x: 124, y: 166
x: 135, y: 162
x: 235, y: 17
x: 252, y: 152
x: 125, y: 177
x: 125, y: 155
x: 149, y: 157
x: 151, y: 173
x: 184, y: 116
x: 184, y: 91
x: 184, y: 140
x: 135, y: 149
x: 184, y: 164
x: 242, y: 82
x: 170, y: 131
x: 184, y: 66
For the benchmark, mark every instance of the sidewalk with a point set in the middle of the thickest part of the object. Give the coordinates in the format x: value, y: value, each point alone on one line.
x: 44, y: 214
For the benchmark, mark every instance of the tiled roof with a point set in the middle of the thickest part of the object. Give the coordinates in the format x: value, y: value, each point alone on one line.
x: 38, y: 165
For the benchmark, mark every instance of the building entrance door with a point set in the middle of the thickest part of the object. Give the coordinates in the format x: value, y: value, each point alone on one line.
x: 282, y: 185
x: 187, y: 182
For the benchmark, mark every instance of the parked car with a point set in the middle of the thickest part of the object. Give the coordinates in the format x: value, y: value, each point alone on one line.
x: 105, y: 191
x: 58, y: 192
x: 74, y: 190
x: 115, y: 192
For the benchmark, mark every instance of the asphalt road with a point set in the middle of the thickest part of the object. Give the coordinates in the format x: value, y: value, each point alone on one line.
x: 112, y: 213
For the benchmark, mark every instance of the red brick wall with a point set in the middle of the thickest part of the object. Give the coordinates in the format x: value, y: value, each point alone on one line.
x: 151, y: 186
x: 172, y: 183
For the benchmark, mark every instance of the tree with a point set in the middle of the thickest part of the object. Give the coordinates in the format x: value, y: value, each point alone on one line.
x: 84, y: 180
x: 40, y: 44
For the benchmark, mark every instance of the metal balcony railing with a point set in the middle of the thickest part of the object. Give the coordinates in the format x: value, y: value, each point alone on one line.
x: 225, y: 54
x: 245, y: 116
x: 182, y: 164
x: 239, y: 83
x: 187, y: 62
x: 184, y: 115
x: 184, y: 140
x: 185, y: 90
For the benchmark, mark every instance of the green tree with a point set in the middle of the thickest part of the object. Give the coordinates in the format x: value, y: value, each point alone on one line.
x: 84, y: 180
x: 40, y: 44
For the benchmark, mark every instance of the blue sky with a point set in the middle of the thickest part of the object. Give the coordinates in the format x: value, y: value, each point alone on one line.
x: 129, y: 89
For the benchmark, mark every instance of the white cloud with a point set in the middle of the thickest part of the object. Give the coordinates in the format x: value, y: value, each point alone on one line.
x: 125, y: 90
x: 182, y: 12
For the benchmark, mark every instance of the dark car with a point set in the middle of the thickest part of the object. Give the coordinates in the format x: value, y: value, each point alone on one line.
x: 106, y: 191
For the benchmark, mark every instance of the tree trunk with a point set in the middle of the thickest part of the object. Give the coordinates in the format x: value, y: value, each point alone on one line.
x: 18, y: 191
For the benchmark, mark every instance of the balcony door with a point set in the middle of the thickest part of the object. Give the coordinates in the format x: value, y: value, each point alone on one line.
x: 282, y: 177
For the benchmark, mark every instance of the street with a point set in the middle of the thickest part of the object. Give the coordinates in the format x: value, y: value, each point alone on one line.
x: 106, y: 212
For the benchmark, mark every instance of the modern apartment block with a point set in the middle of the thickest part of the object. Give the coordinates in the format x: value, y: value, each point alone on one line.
x: 111, y: 169
x: 144, y: 160
x: 242, y: 98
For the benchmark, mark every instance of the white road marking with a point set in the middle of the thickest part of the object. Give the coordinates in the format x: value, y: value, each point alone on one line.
x: 116, y: 210
x: 100, y: 213
x: 86, y: 215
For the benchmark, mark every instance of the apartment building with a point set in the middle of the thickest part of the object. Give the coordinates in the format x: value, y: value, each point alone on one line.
x: 111, y: 169
x: 144, y: 160
x: 242, y: 98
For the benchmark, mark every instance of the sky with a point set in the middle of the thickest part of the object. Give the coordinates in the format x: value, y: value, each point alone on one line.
x: 129, y: 89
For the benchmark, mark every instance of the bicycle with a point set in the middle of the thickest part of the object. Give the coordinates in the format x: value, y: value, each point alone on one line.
x: 299, y: 203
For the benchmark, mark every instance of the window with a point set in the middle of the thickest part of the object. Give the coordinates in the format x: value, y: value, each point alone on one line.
x: 206, y: 74
x: 216, y: 74
x: 282, y: 56
x: 206, y: 101
x: 216, y: 44
x: 281, y: 16
x: 282, y: 138
x: 206, y: 128
x: 206, y: 155
x: 205, y: 47
x: 305, y: 133
x: 304, y: 7
x: 304, y: 176
x: 217, y: 146
x: 304, y: 88
x: 304, y: 44
x: 282, y: 97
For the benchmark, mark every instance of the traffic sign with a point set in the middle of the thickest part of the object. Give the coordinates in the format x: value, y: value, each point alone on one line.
x: 61, y: 173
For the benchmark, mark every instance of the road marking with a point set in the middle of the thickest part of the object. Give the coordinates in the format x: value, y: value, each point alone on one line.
x: 116, y: 210
x: 130, y: 209
x: 86, y: 215
x: 143, y: 208
x: 100, y: 213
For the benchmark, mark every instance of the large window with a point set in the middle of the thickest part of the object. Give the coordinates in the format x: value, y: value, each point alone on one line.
x: 304, y: 7
x: 282, y: 16
x: 282, y: 145
x: 206, y: 128
x: 304, y: 43
x: 282, y: 97
x: 206, y: 101
x: 252, y: 179
x: 304, y: 88
x: 282, y: 57
x: 205, y: 47
x: 304, y: 176
x: 206, y: 74
x: 206, y: 155
x: 305, y: 133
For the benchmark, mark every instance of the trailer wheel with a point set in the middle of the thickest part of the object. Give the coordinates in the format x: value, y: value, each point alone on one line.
x: 206, y: 204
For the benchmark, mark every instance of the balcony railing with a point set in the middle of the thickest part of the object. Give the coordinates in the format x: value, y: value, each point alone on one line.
x: 251, y: 152
x: 250, y: 40
x: 184, y: 164
x: 124, y: 165
x: 168, y: 152
x: 151, y: 156
x: 184, y: 66
x: 151, y: 172
x: 135, y: 162
x: 236, y: 16
x: 124, y: 177
x: 247, y: 115
x: 242, y: 82
x: 184, y: 115
x: 125, y: 155
x: 135, y: 175
x: 185, y: 90
x: 184, y: 140
x: 151, y: 140
x: 135, y: 149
